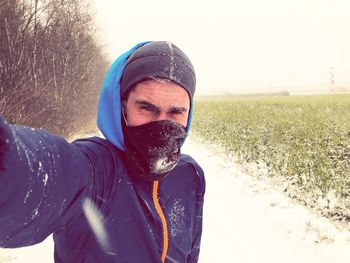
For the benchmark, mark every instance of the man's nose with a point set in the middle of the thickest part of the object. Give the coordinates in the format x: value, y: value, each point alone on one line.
x: 161, y: 116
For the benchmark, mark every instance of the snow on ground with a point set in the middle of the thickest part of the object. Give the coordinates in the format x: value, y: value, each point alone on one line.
x: 245, y: 220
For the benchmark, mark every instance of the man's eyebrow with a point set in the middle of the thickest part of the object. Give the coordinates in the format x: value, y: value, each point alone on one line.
x: 178, y: 109
x: 147, y: 103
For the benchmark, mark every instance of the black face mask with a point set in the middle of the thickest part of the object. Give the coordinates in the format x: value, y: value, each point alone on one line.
x: 152, y: 150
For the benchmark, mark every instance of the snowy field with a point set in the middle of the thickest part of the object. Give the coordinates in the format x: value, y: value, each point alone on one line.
x: 245, y: 220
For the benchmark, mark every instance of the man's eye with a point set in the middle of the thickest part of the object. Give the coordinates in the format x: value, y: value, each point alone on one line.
x: 148, y: 108
x: 145, y: 107
x: 177, y: 112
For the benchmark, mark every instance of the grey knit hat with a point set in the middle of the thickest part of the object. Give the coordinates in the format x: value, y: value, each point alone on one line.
x: 158, y: 59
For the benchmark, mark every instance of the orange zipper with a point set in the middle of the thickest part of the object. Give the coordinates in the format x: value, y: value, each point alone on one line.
x: 162, y: 218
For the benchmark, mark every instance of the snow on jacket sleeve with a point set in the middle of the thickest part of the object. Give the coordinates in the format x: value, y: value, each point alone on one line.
x: 197, y: 231
x: 43, y: 180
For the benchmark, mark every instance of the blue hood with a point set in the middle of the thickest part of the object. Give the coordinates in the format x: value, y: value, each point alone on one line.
x: 109, y: 109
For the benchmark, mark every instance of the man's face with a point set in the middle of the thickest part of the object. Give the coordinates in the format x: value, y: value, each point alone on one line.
x: 153, y: 100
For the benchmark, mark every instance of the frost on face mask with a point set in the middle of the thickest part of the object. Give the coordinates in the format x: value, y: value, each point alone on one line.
x: 163, y: 165
x: 153, y: 149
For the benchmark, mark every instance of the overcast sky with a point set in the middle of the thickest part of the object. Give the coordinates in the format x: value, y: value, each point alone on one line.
x: 239, y: 46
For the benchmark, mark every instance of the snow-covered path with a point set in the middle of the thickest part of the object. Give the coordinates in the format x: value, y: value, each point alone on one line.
x: 245, y: 220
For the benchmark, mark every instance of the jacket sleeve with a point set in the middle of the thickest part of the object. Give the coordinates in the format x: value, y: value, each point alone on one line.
x: 197, y: 231
x: 43, y: 181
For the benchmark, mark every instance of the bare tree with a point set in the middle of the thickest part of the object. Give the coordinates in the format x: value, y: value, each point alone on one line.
x: 50, y: 65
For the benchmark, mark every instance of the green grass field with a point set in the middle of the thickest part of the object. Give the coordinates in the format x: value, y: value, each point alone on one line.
x: 305, y: 139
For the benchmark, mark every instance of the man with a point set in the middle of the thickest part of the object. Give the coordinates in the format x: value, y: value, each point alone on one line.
x: 131, y: 197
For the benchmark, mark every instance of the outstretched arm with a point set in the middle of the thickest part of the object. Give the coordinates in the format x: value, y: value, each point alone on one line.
x: 43, y: 181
